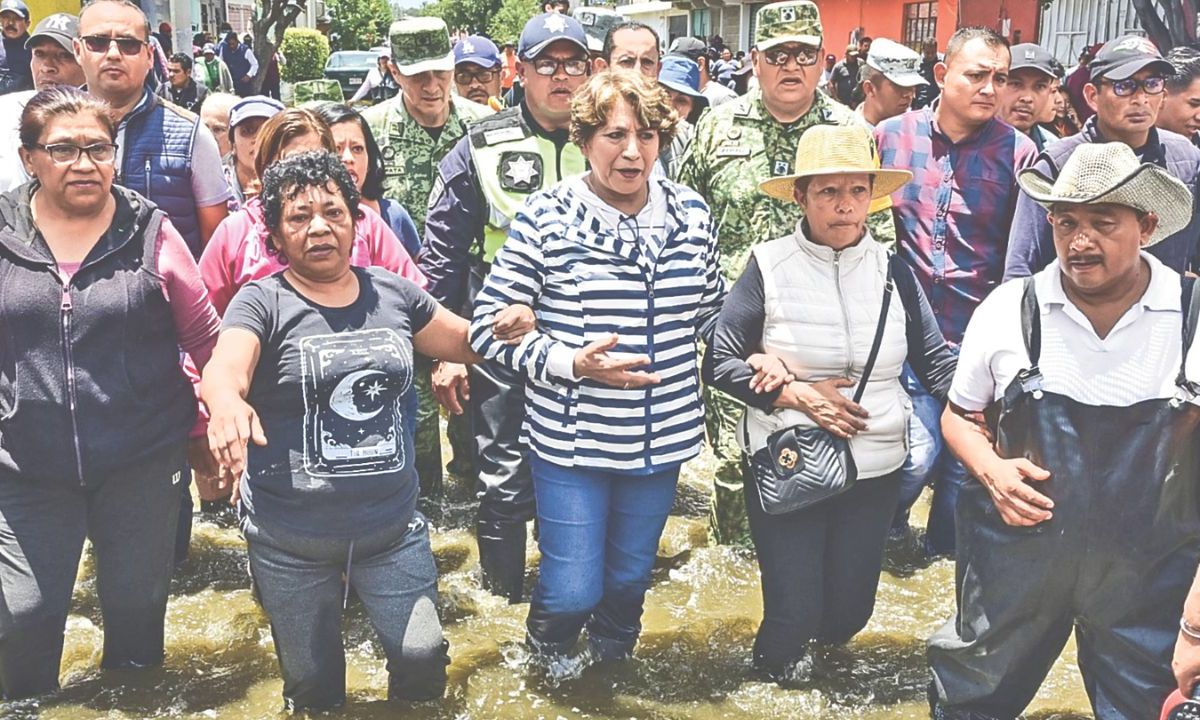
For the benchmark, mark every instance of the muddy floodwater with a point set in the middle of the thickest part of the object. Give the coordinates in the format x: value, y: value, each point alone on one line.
x: 692, y: 662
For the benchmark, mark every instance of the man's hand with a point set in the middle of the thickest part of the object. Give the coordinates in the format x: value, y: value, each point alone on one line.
x: 451, y: 386
x: 1018, y: 503
x: 594, y: 362
x: 1186, y: 663
x: 206, y: 470
x: 513, y: 323
x: 769, y: 373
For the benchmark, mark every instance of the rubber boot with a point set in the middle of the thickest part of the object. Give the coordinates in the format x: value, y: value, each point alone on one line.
x: 553, y: 640
x: 502, y: 558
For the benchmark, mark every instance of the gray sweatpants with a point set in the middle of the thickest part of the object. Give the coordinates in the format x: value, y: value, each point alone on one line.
x: 130, y: 517
x: 299, y: 581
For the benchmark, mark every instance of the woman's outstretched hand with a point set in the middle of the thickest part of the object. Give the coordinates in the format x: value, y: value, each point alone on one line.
x: 595, y: 363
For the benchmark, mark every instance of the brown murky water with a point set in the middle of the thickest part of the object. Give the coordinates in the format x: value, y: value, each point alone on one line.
x: 693, y: 660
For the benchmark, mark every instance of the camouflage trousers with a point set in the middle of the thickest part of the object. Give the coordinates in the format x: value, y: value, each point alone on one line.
x: 427, y: 436
x: 427, y: 444
x: 727, y: 517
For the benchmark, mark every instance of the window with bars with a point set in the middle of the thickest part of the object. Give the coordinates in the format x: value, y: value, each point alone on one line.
x: 920, y: 22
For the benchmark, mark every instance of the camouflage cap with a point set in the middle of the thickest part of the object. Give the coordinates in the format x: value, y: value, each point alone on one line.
x: 310, y: 91
x: 421, y: 44
x: 796, y: 21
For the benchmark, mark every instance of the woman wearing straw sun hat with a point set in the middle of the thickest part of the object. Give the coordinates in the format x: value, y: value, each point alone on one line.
x: 820, y: 304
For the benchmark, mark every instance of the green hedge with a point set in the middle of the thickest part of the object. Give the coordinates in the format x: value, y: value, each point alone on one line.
x: 305, y: 51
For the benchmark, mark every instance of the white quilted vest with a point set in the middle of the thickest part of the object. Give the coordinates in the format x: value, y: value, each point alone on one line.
x: 822, y: 308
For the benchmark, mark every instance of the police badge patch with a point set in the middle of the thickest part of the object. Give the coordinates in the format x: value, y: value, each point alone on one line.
x: 520, y: 171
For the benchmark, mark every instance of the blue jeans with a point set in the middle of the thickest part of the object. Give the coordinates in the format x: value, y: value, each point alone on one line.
x: 929, y: 463
x: 598, y: 532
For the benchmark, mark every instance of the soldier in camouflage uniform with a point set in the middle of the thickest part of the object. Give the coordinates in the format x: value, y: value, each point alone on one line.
x: 738, y: 145
x: 415, y: 130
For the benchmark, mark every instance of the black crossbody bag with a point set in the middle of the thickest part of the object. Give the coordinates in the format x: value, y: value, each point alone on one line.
x: 801, y: 465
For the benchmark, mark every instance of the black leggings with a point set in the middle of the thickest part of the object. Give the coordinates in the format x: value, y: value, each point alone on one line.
x: 820, y: 568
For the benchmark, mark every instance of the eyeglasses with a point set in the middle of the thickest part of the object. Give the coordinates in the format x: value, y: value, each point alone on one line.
x: 466, y: 77
x: 1127, y: 87
x: 549, y: 66
x: 68, y: 153
x: 101, y: 44
x: 804, y: 56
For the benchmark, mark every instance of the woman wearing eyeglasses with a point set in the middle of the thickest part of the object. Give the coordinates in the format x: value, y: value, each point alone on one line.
x: 98, y: 292
x: 621, y: 267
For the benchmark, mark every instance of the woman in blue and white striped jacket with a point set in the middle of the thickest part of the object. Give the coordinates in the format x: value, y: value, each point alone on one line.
x: 622, y: 270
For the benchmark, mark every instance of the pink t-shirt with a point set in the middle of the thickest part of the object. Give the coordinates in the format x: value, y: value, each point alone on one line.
x: 237, y: 252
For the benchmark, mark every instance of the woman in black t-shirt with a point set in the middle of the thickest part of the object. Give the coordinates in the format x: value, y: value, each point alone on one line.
x: 305, y: 398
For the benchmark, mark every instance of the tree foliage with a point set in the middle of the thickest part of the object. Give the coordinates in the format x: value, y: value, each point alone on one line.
x: 306, y: 51
x: 269, y: 20
x: 469, y: 15
x: 360, y: 24
x: 509, y: 20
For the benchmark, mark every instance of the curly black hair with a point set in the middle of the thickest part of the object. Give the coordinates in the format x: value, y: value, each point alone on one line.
x: 285, y: 179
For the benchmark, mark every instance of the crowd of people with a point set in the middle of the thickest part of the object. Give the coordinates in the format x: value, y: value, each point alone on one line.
x: 853, y: 280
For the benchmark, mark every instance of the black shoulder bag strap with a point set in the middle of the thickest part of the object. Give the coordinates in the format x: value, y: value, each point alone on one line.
x: 1189, y: 303
x: 1031, y: 323
x: 889, y: 286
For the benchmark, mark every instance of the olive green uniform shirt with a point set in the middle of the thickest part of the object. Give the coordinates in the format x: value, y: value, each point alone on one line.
x: 739, y: 144
x: 411, y: 155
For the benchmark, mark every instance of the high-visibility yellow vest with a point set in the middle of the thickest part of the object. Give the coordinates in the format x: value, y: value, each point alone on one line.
x: 513, y: 163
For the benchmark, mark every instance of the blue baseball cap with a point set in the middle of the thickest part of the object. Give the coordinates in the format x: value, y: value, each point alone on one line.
x: 681, y: 75
x: 547, y: 28
x: 255, y: 106
x: 478, y: 50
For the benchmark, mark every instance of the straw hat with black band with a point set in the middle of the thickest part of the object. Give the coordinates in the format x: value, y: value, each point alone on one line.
x: 836, y: 150
x: 1109, y: 173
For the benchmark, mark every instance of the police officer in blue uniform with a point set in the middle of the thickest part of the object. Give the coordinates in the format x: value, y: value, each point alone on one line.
x: 481, y: 185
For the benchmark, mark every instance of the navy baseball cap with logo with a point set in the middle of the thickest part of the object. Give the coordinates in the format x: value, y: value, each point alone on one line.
x: 1125, y: 57
x: 478, y: 50
x: 547, y: 28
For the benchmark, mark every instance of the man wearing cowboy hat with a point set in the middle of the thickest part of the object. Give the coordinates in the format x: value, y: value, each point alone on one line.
x: 736, y: 146
x: 1128, y: 82
x: 1083, y: 512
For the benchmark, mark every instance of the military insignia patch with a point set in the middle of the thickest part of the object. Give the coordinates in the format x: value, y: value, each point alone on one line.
x: 787, y: 14
x: 781, y: 168
x: 520, y: 172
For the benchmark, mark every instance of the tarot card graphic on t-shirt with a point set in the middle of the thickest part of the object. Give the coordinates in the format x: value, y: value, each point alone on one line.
x: 353, y: 383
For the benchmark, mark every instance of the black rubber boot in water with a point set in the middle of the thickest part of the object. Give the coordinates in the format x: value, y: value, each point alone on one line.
x: 502, y: 558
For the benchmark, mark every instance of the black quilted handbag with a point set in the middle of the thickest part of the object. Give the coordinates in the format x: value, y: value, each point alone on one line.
x: 801, y: 465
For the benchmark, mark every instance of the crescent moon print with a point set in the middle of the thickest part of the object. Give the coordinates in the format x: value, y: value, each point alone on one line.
x: 349, y: 395
x: 353, y: 382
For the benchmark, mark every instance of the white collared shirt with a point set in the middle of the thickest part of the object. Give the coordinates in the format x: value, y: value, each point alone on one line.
x: 1137, y: 361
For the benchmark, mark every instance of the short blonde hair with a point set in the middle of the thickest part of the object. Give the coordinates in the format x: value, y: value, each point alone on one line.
x: 594, y: 102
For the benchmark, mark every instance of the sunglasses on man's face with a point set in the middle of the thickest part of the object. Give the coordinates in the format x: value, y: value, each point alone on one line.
x: 101, y: 44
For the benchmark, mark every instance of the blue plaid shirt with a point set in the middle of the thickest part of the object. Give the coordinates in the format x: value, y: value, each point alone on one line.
x: 952, y: 220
